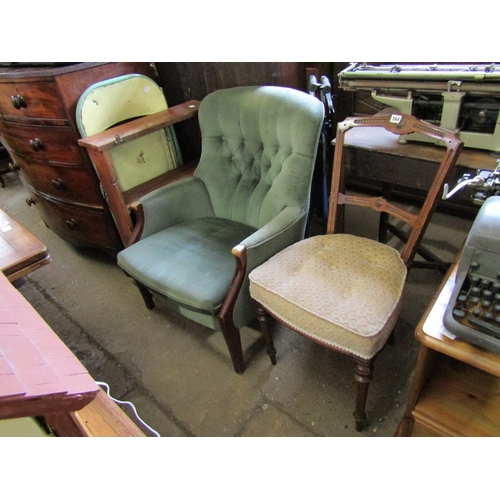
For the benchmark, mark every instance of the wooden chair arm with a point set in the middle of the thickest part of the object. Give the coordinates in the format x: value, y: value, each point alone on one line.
x: 137, y: 215
x: 139, y: 127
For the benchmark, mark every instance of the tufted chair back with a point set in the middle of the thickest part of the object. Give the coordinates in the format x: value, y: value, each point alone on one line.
x: 257, y: 147
x: 196, y: 240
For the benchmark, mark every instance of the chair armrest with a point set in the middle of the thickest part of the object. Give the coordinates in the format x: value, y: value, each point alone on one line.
x: 282, y: 231
x: 139, y: 127
x: 174, y: 203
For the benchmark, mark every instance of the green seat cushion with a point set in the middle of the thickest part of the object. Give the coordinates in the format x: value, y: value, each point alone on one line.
x: 190, y: 263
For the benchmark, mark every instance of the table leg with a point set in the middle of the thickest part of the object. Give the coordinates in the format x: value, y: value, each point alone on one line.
x: 424, y: 363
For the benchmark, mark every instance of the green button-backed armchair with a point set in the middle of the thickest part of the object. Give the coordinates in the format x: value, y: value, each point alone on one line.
x: 196, y: 240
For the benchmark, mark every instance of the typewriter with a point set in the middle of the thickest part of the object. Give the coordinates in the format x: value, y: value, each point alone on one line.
x: 473, y: 312
x: 459, y: 97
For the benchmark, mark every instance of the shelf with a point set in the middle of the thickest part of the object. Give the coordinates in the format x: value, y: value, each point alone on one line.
x: 458, y: 400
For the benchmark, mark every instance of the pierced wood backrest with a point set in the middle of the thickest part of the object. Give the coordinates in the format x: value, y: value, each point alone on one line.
x: 397, y: 123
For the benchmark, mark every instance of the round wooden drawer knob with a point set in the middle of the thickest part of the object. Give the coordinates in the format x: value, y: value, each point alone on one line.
x: 18, y: 101
x: 71, y: 224
x: 36, y: 144
x: 58, y: 184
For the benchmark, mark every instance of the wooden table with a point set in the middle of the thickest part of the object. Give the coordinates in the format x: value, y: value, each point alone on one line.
x: 20, y: 251
x: 375, y: 155
x: 456, y: 386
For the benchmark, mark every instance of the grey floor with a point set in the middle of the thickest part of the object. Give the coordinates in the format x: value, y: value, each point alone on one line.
x: 179, y: 375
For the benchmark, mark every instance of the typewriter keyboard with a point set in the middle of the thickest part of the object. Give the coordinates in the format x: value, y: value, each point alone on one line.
x: 478, y: 305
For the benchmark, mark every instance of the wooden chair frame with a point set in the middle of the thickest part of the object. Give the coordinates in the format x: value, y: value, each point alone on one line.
x: 397, y: 123
x: 99, y: 146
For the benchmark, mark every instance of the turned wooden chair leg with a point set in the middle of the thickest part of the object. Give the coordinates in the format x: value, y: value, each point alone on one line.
x: 363, y: 376
x: 147, y: 296
x: 265, y: 325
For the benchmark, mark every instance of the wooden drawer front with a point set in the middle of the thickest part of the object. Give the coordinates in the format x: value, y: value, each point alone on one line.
x: 422, y: 430
x: 31, y: 100
x: 425, y: 427
x: 75, y: 225
x: 69, y: 183
x: 55, y: 144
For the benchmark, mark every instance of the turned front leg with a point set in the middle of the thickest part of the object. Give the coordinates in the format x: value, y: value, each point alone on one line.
x: 363, y: 376
x: 265, y: 325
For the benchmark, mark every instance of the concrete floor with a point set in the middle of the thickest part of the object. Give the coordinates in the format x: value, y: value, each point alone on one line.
x: 179, y: 375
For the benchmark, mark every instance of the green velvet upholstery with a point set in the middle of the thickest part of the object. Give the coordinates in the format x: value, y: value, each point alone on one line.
x: 251, y: 188
x: 185, y: 276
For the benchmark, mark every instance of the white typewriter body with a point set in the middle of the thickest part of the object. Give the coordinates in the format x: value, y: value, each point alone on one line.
x: 463, y: 98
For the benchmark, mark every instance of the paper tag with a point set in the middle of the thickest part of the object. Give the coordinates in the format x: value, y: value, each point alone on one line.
x: 396, y: 118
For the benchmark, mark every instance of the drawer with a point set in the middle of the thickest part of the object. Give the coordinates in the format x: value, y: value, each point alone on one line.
x: 54, y: 144
x: 70, y: 183
x: 76, y: 225
x: 425, y: 427
x: 31, y: 100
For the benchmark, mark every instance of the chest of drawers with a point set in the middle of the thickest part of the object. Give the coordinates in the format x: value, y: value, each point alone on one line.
x: 38, y: 129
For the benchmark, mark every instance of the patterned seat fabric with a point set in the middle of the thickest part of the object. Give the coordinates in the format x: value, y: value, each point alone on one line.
x: 339, y: 289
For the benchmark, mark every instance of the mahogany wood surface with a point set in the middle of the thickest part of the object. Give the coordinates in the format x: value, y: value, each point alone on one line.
x: 61, y: 181
x: 41, y: 101
x: 77, y: 224
x: 54, y: 144
x: 38, y: 127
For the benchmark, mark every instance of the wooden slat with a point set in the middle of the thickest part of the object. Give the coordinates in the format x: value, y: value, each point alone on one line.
x: 140, y: 127
x: 104, y: 418
x: 133, y: 195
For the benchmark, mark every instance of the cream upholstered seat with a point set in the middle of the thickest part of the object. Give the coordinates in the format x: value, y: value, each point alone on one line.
x: 358, y: 313
x: 344, y: 291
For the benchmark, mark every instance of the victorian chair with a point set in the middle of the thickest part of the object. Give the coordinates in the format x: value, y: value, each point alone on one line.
x: 197, y: 239
x: 344, y: 291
